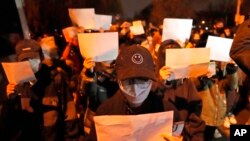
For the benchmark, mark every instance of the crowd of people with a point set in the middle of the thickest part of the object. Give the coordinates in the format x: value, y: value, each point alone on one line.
x: 70, y: 90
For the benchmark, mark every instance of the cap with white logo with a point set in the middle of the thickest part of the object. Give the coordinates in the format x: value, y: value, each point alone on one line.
x: 135, y: 62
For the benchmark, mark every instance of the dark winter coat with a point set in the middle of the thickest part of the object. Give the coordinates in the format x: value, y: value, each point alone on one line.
x: 118, y: 105
x: 42, y: 111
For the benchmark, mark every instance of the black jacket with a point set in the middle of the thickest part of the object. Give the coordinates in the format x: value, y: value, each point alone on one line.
x: 117, y: 105
x: 42, y: 111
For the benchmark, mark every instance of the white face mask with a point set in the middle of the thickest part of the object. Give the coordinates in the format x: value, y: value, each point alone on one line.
x: 135, y: 90
x: 35, y: 64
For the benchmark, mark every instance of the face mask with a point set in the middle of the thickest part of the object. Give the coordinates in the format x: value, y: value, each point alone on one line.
x: 35, y: 64
x: 135, y: 90
x: 46, y: 55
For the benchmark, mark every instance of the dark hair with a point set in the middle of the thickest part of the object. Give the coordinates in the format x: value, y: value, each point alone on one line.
x: 161, y: 54
x: 203, y: 39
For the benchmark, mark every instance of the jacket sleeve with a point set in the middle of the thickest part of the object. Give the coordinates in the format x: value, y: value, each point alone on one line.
x: 231, y: 77
x: 240, y: 49
x: 194, y: 125
x: 194, y: 128
x: 231, y: 80
x: 87, y: 83
x: 88, y: 86
x: 194, y: 100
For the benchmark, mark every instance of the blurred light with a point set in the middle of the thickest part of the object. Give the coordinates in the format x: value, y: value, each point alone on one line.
x: 203, y: 22
x: 206, y: 28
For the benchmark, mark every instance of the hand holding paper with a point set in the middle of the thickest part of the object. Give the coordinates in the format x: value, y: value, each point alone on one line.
x: 165, y: 72
x: 167, y: 137
x: 89, y: 63
x: 10, y: 89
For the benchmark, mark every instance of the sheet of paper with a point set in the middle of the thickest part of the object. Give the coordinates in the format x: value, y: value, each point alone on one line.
x: 83, y: 17
x: 18, y: 72
x: 47, y: 43
x: 197, y: 70
x: 187, y: 62
x: 137, y: 23
x: 219, y: 48
x: 177, y: 29
x: 19, y: 3
x: 103, y: 21
x: 100, y: 46
x: 212, y: 68
x: 137, y: 30
x: 178, y: 128
x: 69, y: 33
x: 145, y: 127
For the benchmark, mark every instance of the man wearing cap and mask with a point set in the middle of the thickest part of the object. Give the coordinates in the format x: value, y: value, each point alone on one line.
x: 135, y: 75
x: 42, y: 109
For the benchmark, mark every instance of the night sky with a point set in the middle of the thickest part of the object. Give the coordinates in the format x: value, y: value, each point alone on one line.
x: 10, y: 19
x: 9, y: 16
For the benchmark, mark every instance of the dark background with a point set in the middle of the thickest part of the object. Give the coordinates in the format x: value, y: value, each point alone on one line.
x: 48, y: 15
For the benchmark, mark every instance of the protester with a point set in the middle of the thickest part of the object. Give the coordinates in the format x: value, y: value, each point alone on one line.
x: 180, y: 95
x: 218, y: 90
x: 228, y: 31
x: 152, y: 42
x: 73, y: 87
x: 135, y: 75
x: 218, y: 28
x: 98, y: 83
x: 71, y: 54
x: 41, y: 109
